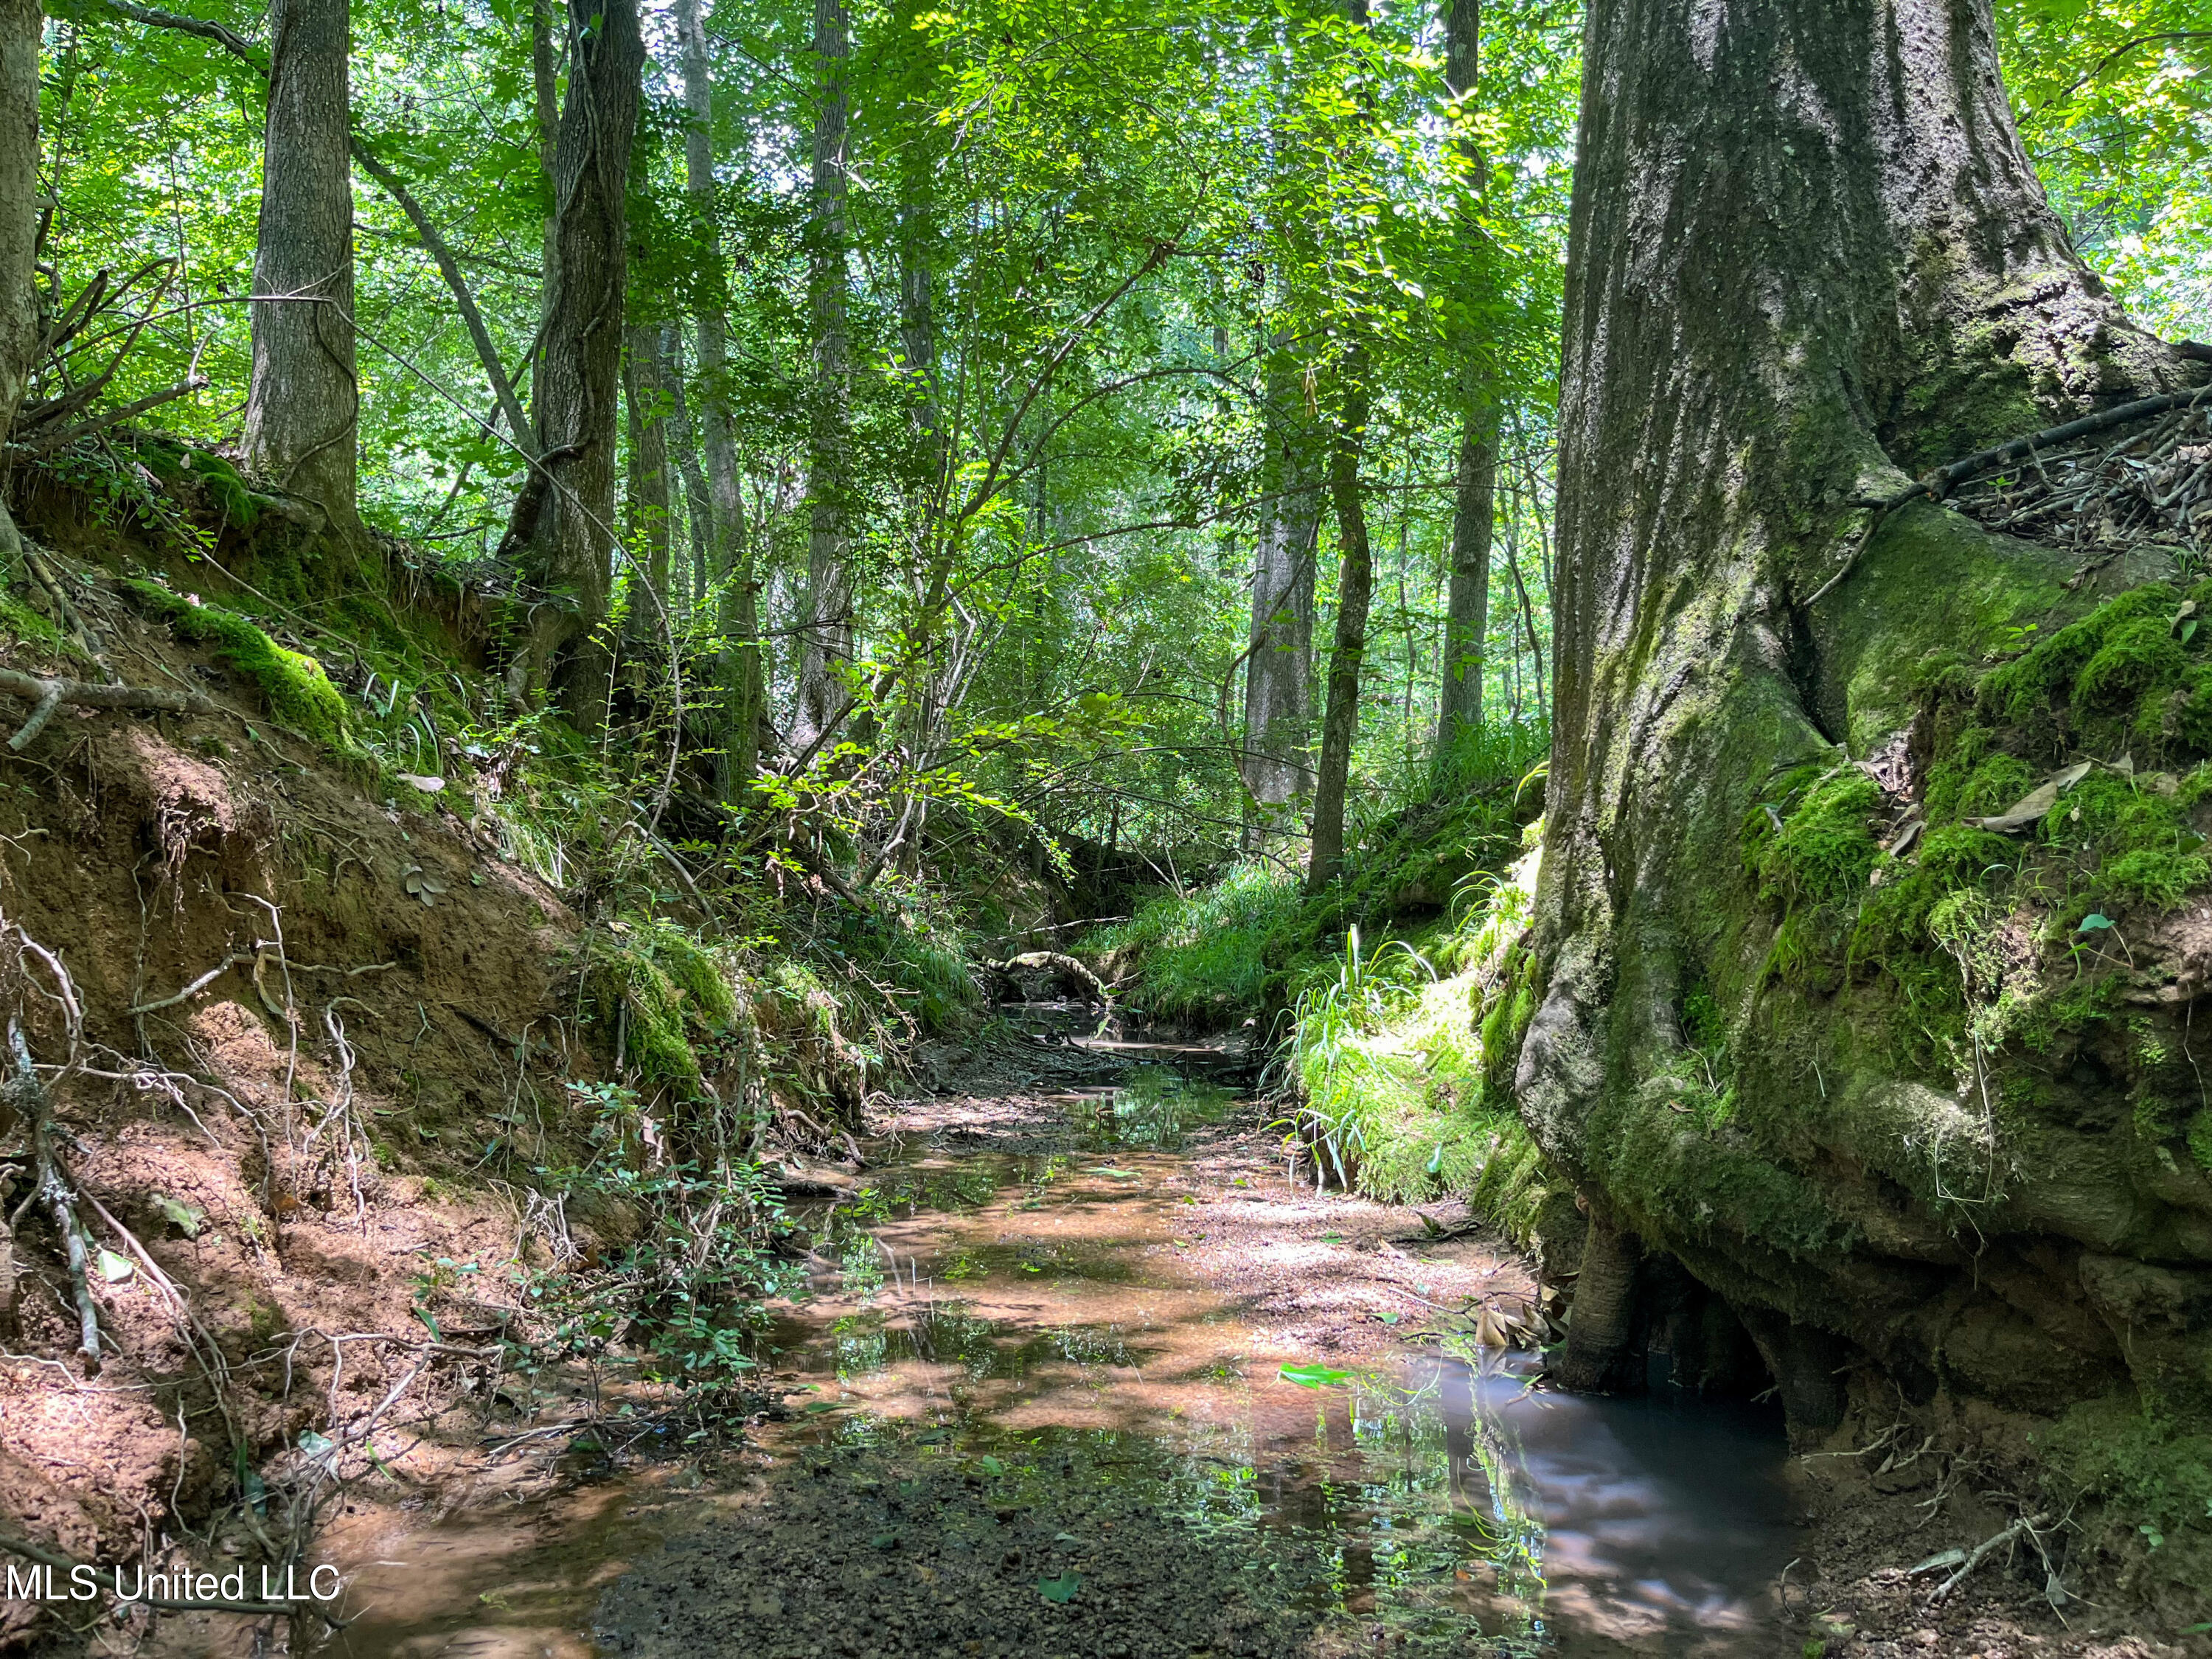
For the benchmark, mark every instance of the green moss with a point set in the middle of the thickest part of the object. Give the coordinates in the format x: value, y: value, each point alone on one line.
x: 697, y: 973
x: 2153, y: 1471
x: 2157, y: 880
x: 225, y: 487
x: 1507, y: 1021
x: 1992, y: 786
x: 640, y: 1009
x: 1695, y: 1175
x: 2200, y: 1140
x: 1947, y: 776
x: 293, y: 685
x: 2137, y: 657
x: 28, y: 625
x: 1825, y: 849
x: 2024, y: 692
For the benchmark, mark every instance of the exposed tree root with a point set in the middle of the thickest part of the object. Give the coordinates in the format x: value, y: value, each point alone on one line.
x: 47, y: 695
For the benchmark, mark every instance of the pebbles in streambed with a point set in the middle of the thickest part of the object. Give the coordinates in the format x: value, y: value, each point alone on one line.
x: 878, y: 1551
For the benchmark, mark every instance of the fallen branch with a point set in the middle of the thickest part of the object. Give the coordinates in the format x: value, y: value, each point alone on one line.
x: 1981, y: 1552
x: 48, y: 694
x: 1059, y: 963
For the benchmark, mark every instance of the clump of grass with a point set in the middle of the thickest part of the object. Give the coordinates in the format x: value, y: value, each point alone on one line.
x: 1206, y: 955
x: 1389, y: 1064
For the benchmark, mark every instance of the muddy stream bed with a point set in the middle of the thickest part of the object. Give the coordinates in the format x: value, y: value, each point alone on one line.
x: 1086, y: 1374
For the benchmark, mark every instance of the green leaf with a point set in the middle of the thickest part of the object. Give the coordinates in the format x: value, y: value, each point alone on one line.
x: 1436, y: 1161
x: 1060, y: 1589
x: 1315, y: 1376
x: 2092, y: 922
x: 114, y: 1269
x: 187, y: 1218
x: 991, y: 1465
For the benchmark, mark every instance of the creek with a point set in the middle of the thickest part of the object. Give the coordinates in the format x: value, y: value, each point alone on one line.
x: 1103, y: 1314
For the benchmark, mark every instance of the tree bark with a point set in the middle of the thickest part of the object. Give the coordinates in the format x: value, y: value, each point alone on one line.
x: 1467, y: 606
x: 561, y: 529
x: 743, y: 688
x: 20, y: 25
x: 826, y: 641
x: 1597, y: 1357
x: 1807, y: 257
x: 545, y: 106
x: 1278, y: 758
x: 1355, y: 585
x: 647, y: 375
x: 302, y: 408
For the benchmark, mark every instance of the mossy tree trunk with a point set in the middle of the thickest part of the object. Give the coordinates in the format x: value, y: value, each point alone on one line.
x: 729, y: 555
x: 563, y: 527
x: 1808, y: 258
x: 1355, y: 591
x: 1278, y: 758
x: 648, y: 371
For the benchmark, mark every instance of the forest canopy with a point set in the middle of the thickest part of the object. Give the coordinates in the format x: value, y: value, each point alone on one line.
x: 979, y: 366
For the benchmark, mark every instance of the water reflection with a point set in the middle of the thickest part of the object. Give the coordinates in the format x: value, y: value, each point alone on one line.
x: 1154, y: 1108
x: 1447, y: 1500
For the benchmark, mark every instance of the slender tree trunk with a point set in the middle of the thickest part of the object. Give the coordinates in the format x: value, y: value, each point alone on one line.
x: 1355, y: 586
x: 646, y: 380
x: 1808, y: 260
x: 826, y: 643
x: 20, y: 25
x: 698, y: 511
x: 741, y: 689
x: 561, y: 529
x: 302, y: 408
x: 545, y: 94
x: 1277, y: 761
x: 1467, y: 612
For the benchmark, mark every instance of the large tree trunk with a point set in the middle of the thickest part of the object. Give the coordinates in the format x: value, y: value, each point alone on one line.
x: 302, y: 406
x: 826, y: 641
x: 1355, y: 586
x: 1807, y: 257
x: 1467, y: 606
x: 562, y: 525
x: 1278, y: 758
x: 20, y: 25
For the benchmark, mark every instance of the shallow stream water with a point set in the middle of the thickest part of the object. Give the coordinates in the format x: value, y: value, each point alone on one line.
x: 1014, y: 1289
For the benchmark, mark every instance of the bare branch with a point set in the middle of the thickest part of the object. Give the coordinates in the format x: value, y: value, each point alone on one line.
x: 48, y: 694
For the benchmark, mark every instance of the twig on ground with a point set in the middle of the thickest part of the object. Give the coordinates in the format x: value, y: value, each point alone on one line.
x: 2026, y: 1525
